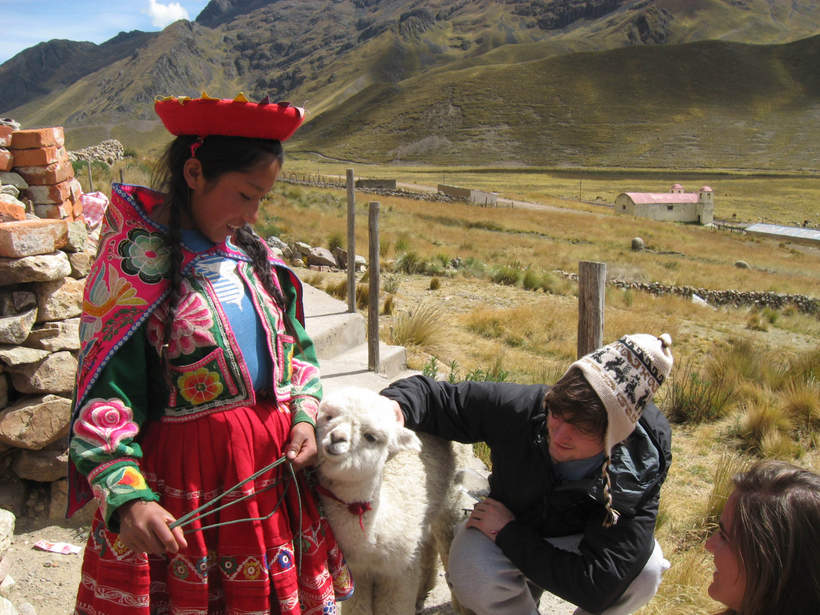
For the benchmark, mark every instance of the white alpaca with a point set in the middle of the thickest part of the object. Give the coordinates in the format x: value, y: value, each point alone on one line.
x: 391, y: 498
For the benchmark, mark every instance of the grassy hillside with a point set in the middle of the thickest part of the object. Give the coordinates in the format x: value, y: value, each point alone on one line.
x: 697, y: 105
x: 465, y: 82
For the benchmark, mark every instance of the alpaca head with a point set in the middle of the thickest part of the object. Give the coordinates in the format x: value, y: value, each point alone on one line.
x: 357, y: 432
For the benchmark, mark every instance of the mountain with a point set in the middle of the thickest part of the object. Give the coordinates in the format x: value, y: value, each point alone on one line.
x: 653, y: 82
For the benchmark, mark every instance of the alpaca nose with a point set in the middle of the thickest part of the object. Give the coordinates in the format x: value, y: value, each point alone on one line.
x: 338, y: 442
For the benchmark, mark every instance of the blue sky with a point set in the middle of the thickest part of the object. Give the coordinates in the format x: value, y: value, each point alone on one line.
x: 28, y: 22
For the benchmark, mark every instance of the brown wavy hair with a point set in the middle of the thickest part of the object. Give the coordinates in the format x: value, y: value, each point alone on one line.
x: 776, y: 533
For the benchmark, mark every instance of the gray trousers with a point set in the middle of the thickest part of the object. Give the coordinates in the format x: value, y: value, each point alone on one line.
x: 486, y: 582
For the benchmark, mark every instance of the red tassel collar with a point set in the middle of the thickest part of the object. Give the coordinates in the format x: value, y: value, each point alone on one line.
x: 356, y: 508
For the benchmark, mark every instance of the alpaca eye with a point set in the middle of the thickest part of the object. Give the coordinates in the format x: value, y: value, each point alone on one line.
x: 370, y: 437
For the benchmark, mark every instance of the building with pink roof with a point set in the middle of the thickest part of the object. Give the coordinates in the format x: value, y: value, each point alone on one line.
x: 676, y: 205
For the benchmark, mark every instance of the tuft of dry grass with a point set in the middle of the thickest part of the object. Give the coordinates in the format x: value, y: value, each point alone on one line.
x: 389, y: 305
x: 420, y: 326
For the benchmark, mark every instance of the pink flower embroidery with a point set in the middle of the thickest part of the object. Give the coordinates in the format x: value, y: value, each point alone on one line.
x: 105, y: 423
x: 191, y: 328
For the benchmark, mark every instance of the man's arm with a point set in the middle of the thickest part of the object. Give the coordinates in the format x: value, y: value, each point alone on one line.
x: 466, y: 411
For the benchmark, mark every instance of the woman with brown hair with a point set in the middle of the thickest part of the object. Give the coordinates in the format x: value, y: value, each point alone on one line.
x: 766, y: 551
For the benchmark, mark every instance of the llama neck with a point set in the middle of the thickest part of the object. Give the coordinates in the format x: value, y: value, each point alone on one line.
x: 365, y: 490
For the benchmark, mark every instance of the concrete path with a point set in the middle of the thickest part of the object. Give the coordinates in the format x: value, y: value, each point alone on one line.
x: 340, y: 340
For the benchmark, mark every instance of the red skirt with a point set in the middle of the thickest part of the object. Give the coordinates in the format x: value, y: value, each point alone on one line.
x: 250, y: 567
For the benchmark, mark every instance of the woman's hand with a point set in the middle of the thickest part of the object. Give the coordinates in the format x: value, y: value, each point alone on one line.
x: 394, y: 405
x: 301, y: 449
x: 144, y: 528
x: 489, y: 516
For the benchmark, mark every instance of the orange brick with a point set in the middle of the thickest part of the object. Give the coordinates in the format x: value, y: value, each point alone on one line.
x: 77, y: 209
x: 49, y: 194
x: 38, y: 137
x: 11, y: 209
x: 5, y: 135
x: 6, y: 159
x: 53, y: 173
x: 37, y: 157
x: 30, y: 237
x: 60, y: 211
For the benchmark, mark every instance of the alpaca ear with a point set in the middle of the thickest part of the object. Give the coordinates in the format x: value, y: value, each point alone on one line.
x: 405, y: 440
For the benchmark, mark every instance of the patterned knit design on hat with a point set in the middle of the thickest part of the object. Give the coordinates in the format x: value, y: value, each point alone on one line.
x: 625, y: 375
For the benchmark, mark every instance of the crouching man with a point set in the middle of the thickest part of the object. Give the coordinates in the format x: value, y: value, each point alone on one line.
x: 576, y: 477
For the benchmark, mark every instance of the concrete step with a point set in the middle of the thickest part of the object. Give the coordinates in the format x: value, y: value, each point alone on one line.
x: 332, y: 328
x: 350, y: 368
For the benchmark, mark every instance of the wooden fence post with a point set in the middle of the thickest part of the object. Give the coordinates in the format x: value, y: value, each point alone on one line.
x: 373, y: 296
x: 591, y: 294
x: 351, y: 243
x: 90, y: 181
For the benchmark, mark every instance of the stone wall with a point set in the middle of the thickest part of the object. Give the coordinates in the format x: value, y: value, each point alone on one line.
x: 735, y: 298
x: 43, y: 265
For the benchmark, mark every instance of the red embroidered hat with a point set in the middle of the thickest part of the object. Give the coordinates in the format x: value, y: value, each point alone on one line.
x: 233, y: 118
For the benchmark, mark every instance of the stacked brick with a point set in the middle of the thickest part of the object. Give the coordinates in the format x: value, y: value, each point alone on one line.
x: 43, y: 265
x: 39, y: 157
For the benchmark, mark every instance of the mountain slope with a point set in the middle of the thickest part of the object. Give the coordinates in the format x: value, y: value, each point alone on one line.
x: 465, y: 62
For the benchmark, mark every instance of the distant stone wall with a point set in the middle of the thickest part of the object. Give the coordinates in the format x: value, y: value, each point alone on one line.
x: 736, y: 298
x: 474, y: 197
x: 376, y: 184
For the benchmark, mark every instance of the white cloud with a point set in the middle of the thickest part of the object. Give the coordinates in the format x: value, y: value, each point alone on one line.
x: 163, y: 14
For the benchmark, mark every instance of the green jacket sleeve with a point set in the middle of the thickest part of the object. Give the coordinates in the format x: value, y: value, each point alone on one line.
x: 103, y: 445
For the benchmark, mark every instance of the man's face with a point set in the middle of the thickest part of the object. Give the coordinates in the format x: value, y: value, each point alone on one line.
x: 569, y: 443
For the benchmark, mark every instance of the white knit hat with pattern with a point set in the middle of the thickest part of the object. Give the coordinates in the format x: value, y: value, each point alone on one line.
x: 625, y: 375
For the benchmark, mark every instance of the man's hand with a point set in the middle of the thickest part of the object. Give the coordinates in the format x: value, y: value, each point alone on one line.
x: 489, y: 516
x: 301, y: 449
x: 144, y: 528
x: 397, y: 411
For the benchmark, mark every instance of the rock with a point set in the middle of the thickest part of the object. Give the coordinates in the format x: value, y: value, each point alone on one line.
x: 26, y: 608
x: 32, y: 237
x: 44, y: 466
x: 54, y: 374
x: 274, y: 242
x: 57, y: 506
x: 7, y: 520
x: 37, y: 268
x: 10, y: 178
x: 13, y: 493
x: 6, y: 585
x: 4, y: 398
x: 11, y: 208
x: 298, y: 262
x: 60, y: 299
x: 76, y: 237
x: 302, y: 249
x: 34, y: 422
x: 15, y: 356
x: 5, y: 565
x: 638, y: 244
x: 321, y: 257
x: 277, y: 253
x: 81, y: 263
x: 7, y: 608
x: 742, y: 265
x: 15, y: 328
x: 55, y: 336
x: 9, y: 190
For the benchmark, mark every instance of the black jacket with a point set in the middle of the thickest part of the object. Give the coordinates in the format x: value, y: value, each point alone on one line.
x: 511, y: 419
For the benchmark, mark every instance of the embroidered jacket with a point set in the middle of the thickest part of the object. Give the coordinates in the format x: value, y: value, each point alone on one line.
x: 121, y: 383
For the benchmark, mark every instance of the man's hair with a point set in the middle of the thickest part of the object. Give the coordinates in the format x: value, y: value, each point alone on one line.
x: 575, y: 401
x: 776, y: 533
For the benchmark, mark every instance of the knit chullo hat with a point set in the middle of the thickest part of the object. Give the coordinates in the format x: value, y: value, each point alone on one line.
x: 625, y: 375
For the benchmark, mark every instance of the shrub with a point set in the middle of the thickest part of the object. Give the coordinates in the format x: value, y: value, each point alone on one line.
x: 430, y: 369
x: 390, y: 284
x: 756, y: 323
x: 389, y: 305
x: 691, y: 397
x: 410, y: 263
x: 509, y: 275
x: 402, y: 244
x: 801, y: 402
x: 338, y: 290
x: 531, y: 280
x: 761, y: 417
x: 384, y: 248
x: 435, y: 283
x: 421, y: 326
x: 362, y: 296
x: 496, y: 373
x: 335, y: 240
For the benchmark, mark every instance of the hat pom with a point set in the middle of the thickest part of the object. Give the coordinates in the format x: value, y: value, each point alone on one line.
x: 666, y: 340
